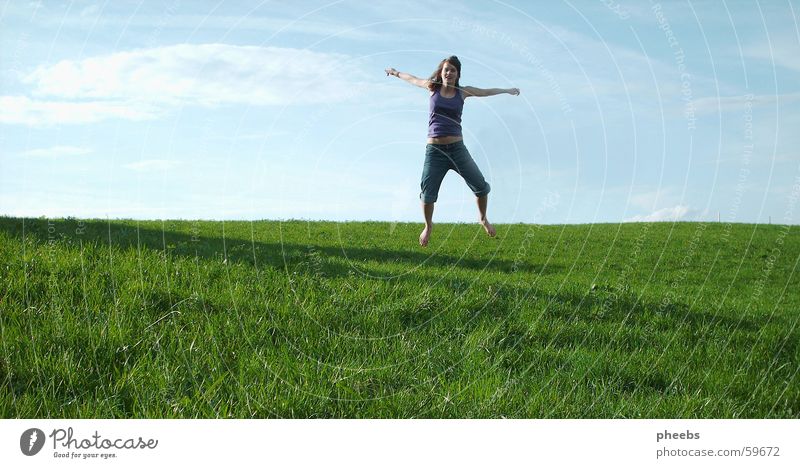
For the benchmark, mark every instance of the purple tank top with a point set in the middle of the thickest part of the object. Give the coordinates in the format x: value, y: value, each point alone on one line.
x: 445, y: 115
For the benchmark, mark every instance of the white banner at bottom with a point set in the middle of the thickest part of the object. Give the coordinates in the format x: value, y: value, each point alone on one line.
x: 396, y: 443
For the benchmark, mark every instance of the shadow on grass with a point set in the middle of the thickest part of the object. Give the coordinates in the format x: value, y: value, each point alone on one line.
x: 315, y: 258
x: 603, y: 305
x: 332, y: 261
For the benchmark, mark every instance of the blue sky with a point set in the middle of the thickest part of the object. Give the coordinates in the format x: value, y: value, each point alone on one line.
x: 630, y: 111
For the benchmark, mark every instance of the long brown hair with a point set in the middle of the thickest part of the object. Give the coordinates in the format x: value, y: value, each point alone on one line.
x: 435, y: 81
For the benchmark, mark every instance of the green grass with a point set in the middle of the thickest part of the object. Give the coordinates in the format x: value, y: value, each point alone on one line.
x: 193, y: 319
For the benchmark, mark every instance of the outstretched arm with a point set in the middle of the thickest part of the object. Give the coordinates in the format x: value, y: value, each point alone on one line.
x: 407, y: 77
x: 480, y: 92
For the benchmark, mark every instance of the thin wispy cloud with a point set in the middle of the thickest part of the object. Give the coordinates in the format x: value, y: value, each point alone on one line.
x: 56, y: 151
x: 36, y: 112
x: 274, y: 24
x: 146, y: 83
x: 201, y: 74
x: 152, y: 165
x: 713, y: 105
x: 782, y: 53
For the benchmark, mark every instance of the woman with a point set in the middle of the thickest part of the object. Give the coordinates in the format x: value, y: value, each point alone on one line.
x: 445, y: 149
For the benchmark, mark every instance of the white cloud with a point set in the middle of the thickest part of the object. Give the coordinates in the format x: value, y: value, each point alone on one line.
x: 202, y: 74
x: 57, y: 151
x: 152, y: 165
x: 26, y: 111
x: 782, y: 51
x: 144, y: 84
x: 675, y: 213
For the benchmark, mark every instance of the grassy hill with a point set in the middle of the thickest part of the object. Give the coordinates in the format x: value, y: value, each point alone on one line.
x: 294, y: 319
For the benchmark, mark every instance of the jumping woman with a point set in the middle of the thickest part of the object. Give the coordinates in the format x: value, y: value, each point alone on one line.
x: 445, y: 149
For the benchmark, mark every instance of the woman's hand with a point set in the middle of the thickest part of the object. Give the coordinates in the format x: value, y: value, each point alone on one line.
x: 514, y: 91
x: 407, y: 77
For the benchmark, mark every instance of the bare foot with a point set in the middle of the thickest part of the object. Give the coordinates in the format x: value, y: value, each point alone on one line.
x: 425, y: 236
x: 487, y: 226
